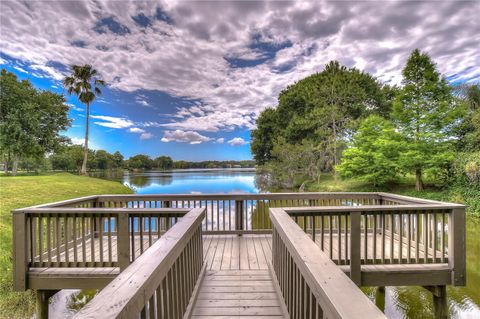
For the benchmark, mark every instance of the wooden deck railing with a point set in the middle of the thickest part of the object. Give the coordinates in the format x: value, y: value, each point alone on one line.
x: 85, y: 237
x: 241, y: 213
x: 402, y: 231
x: 160, y: 282
x: 354, y: 229
x: 311, y: 284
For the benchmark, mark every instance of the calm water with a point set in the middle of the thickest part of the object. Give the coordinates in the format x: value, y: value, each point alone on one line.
x: 400, y: 302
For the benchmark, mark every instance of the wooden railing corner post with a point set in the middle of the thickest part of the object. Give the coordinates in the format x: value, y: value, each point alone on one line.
x: 456, y: 246
x: 355, y: 258
x: 123, y: 241
x: 20, y: 248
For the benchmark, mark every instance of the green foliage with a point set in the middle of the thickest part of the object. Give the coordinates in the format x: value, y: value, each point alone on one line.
x: 292, y: 163
x: 30, y: 120
x: 140, y: 161
x: 68, y: 158
x: 117, y: 160
x: 373, y: 154
x: 468, y: 131
x: 465, y: 180
x: 426, y: 113
x: 323, y: 109
x: 263, y: 136
x: 163, y: 162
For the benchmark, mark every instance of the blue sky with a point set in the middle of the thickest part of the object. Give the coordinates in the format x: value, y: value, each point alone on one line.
x: 188, y: 78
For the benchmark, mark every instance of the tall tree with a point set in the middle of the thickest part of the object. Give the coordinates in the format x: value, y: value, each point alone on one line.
x: 373, y: 155
x: 118, y: 159
x: 426, y: 114
x: 322, y: 109
x: 469, y: 130
x: 263, y: 136
x: 30, y: 120
x: 85, y: 83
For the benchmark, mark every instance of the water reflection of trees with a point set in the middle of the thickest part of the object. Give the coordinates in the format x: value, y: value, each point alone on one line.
x: 144, y: 180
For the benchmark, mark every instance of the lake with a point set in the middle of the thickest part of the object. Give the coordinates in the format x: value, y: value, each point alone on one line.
x: 400, y: 302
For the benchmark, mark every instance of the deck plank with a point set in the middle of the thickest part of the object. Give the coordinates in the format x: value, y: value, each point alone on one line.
x: 238, y: 293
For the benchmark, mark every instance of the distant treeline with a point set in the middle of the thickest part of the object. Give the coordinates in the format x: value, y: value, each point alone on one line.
x: 70, y: 157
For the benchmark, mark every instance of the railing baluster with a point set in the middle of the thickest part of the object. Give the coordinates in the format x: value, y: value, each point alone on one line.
x: 384, y: 244
x: 40, y: 239
x: 392, y: 237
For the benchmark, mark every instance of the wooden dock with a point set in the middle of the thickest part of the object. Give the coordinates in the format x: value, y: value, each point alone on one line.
x: 239, y: 256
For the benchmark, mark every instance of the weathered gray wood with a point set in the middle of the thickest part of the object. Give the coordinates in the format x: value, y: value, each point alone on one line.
x: 355, y: 258
x: 195, y: 293
x: 123, y: 241
x: 129, y: 292
x: 456, y: 246
x: 336, y: 294
x: 20, y: 249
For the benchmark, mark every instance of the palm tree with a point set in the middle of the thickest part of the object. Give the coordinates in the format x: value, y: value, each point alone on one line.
x: 85, y: 83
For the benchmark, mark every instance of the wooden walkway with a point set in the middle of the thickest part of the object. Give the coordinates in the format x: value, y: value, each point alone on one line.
x: 238, y: 282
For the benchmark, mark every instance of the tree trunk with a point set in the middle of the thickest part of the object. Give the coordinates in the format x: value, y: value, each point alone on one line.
x: 418, y: 180
x: 5, y: 166
x: 334, y: 148
x: 85, y: 149
x: 15, y: 166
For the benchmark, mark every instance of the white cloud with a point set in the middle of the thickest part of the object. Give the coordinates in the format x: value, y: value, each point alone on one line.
x: 190, y: 57
x: 146, y: 136
x: 74, y: 107
x: 140, y: 99
x: 112, y: 122
x: 77, y: 140
x: 220, y: 140
x: 16, y: 67
x: 180, y: 136
x: 237, y: 141
x: 136, y: 130
x: 80, y: 141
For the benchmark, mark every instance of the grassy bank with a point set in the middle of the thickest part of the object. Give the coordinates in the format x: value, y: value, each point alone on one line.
x: 406, y: 186
x: 22, y: 191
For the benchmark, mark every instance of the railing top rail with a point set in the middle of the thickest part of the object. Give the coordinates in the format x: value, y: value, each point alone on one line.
x: 62, y: 203
x: 125, y: 296
x: 414, y: 200
x: 403, y: 200
x: 338, y: 296
x: 367, y: 208
x: 75, y: 210
x: 240, y: 196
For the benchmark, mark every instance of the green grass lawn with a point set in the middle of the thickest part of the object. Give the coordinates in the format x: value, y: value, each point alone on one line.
x: 23, y: 191
x: 406, y: 186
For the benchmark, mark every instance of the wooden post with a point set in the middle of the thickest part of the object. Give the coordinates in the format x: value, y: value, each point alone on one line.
x: 456, y: 246
x: 355, y: 258
x: 43, y: 298
x: 20, y: 265
x: 123, y: 241
x: 380, y: 298
x: 440, y: 305
x: 239, y: 215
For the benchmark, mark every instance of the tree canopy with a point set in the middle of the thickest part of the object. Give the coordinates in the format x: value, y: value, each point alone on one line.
x: 322, y: 108
x: 426, y: 114
x: 373, y: 155
x: 30, y: 120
